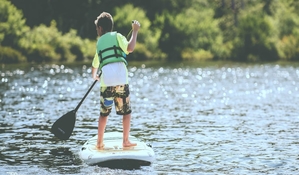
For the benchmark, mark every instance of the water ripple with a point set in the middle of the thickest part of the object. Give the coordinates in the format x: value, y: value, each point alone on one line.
x: 216, y: 119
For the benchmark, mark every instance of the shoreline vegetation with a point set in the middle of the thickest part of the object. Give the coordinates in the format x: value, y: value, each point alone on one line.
x: 150, y: 64
x: 177, y: 31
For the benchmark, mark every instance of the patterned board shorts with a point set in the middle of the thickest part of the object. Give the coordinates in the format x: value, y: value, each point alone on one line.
x: 120, y: 95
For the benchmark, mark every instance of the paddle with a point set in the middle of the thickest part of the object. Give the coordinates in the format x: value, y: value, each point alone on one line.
x: 63, y: 127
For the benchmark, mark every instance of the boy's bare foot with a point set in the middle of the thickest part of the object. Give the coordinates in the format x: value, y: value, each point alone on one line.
x: 100, y: 146
x: 129, y: 144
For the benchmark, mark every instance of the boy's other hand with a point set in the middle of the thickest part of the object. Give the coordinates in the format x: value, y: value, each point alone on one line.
x: 96, y: 77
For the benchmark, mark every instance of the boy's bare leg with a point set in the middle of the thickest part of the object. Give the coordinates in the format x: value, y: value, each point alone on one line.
x: 101, y: 130
x: 126, y: 131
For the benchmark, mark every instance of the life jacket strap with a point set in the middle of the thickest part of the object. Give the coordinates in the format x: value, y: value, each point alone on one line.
x: 115, y: 48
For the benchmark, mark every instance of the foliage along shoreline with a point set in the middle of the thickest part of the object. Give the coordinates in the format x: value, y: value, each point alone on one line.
x: 194, y: 30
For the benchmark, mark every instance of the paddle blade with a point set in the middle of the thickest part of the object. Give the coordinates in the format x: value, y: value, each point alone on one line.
x: 64, y: 126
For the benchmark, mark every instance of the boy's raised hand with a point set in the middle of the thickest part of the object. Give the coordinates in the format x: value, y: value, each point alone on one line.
x: 132, y: 41
x: 135, y: 25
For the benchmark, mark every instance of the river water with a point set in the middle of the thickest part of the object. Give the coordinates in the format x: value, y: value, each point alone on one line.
x: 214, y: 118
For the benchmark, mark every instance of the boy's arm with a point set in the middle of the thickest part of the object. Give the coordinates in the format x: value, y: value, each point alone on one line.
x: 94, y: 67
x: 132, y: 42
x: 94, y: 74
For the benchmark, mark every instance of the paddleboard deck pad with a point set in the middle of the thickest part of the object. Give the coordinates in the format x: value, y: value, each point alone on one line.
x: 114, y: 154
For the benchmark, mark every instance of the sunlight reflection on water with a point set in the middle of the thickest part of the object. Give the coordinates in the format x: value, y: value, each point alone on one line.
x: 228, y: 119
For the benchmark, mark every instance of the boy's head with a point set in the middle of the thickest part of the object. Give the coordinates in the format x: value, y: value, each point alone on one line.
x: 105, y: 21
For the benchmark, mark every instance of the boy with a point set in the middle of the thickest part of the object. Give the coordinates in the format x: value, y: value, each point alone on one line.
x: 111, y: 51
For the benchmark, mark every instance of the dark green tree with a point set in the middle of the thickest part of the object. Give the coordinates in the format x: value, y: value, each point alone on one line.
x: 192, y: 34
x: 257, y: 35
x: 12, y: 28
x: 12, y: 24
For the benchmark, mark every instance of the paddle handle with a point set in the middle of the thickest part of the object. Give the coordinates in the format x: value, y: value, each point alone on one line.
x: 78, y: 106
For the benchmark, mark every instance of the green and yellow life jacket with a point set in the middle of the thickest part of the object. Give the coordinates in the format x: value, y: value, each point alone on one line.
x: 108, y: 50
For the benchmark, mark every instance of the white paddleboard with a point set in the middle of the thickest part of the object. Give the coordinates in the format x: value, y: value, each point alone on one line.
x: 114, y: 153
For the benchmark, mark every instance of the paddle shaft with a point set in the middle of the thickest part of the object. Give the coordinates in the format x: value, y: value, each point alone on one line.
x: 78, y: 106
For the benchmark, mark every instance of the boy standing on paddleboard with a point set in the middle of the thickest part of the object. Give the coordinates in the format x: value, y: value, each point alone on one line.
x: 111, y: 51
